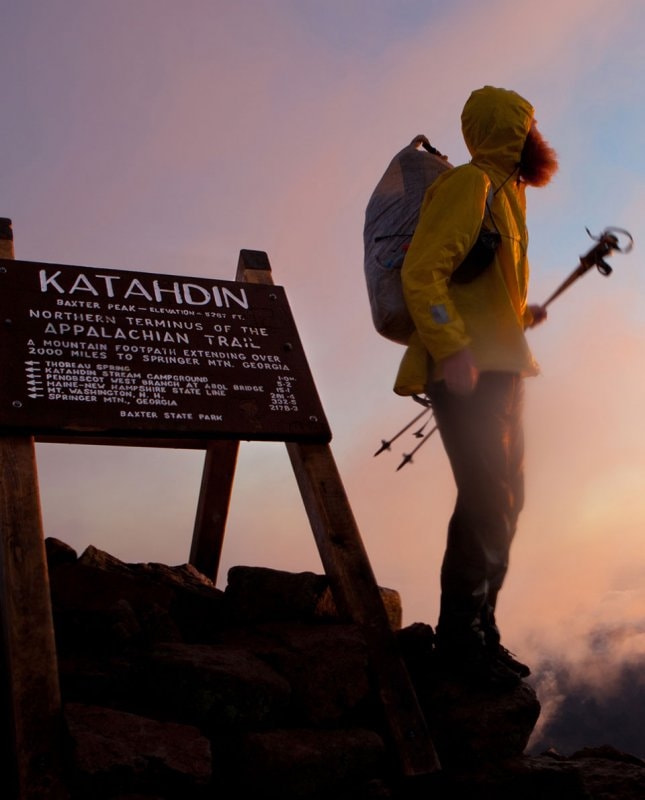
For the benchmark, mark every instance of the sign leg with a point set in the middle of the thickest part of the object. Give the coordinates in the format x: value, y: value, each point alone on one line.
x: 358, y: 598
x: 34, y: 720
x: 213, y: 505
x: 29, y: 647
x: 352, y: 581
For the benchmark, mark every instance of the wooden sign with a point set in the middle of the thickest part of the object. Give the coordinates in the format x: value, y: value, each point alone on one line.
x: 91, y: 353
x: 109, y: 356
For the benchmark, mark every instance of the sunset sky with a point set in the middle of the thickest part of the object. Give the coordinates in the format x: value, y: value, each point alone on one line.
x: 166, y: 136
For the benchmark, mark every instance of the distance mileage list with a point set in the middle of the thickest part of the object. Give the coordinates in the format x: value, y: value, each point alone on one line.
x: 283, y: 397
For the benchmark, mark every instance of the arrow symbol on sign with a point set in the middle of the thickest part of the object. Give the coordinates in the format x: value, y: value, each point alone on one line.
x: 34, y: 396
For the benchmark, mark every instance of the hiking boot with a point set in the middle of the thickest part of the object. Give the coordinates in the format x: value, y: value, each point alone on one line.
x: 495, y: 647
x: 507, y: 658
x: 476, y: 666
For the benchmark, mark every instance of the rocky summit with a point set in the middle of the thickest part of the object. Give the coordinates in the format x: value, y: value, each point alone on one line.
x: 173, y: 688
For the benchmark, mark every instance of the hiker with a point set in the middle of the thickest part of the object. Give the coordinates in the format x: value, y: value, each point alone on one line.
x: 469, y: 356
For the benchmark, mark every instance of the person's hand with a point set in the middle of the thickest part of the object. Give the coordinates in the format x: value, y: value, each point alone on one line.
x: 460, y: 372
x: 538, y: 313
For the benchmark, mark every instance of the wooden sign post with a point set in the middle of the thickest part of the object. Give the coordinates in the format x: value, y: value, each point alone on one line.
x: 31, y: 688
x: 116, y: 357
x: 343, y: 556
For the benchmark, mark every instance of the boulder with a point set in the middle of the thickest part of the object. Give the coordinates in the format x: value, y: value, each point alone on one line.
x: 117, y: 753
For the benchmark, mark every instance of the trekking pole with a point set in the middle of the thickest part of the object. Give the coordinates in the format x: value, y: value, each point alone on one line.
x: 385, y: 443
x: 407, y: 457
x: 607, y: 242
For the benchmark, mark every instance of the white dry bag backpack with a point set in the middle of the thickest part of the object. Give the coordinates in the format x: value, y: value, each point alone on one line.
x: 390, y: 219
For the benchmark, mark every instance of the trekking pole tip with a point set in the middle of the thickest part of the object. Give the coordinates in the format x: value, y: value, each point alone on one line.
x: 385, y: 445
x: 407, y: 459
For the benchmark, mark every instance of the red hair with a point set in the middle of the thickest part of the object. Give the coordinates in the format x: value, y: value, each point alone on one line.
x: 539, y: 161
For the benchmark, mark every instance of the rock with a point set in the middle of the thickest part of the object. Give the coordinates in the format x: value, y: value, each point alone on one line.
x: 609, y: 774
x: 100, y: 679
x: 468, y: 725
x: 117, y: 752
x: 58, y: 552
x: 325, y: 665
x: 215, y: 687
x: 108, y: 610
x: 102, y: 601
x: 258, y: 594
x: 175, y: 689
x: 326, y: 607
x: 607, y: 753
x: 473, y: 727
x: 304, y: 763
x: 517, y: 779
x: 559, y: 778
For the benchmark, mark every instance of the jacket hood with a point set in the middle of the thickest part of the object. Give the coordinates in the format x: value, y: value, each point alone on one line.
x: 495, y: 123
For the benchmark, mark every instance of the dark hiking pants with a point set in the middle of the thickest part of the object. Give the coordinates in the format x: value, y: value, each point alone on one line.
x: 483, y: 438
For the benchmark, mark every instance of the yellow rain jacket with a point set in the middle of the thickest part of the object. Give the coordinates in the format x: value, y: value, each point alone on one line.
x: 489, y: 314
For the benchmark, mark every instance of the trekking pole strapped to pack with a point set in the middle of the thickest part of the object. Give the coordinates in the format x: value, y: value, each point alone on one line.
x: 386, y: 443
x: 407, y: 457
x: 418, y: 434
